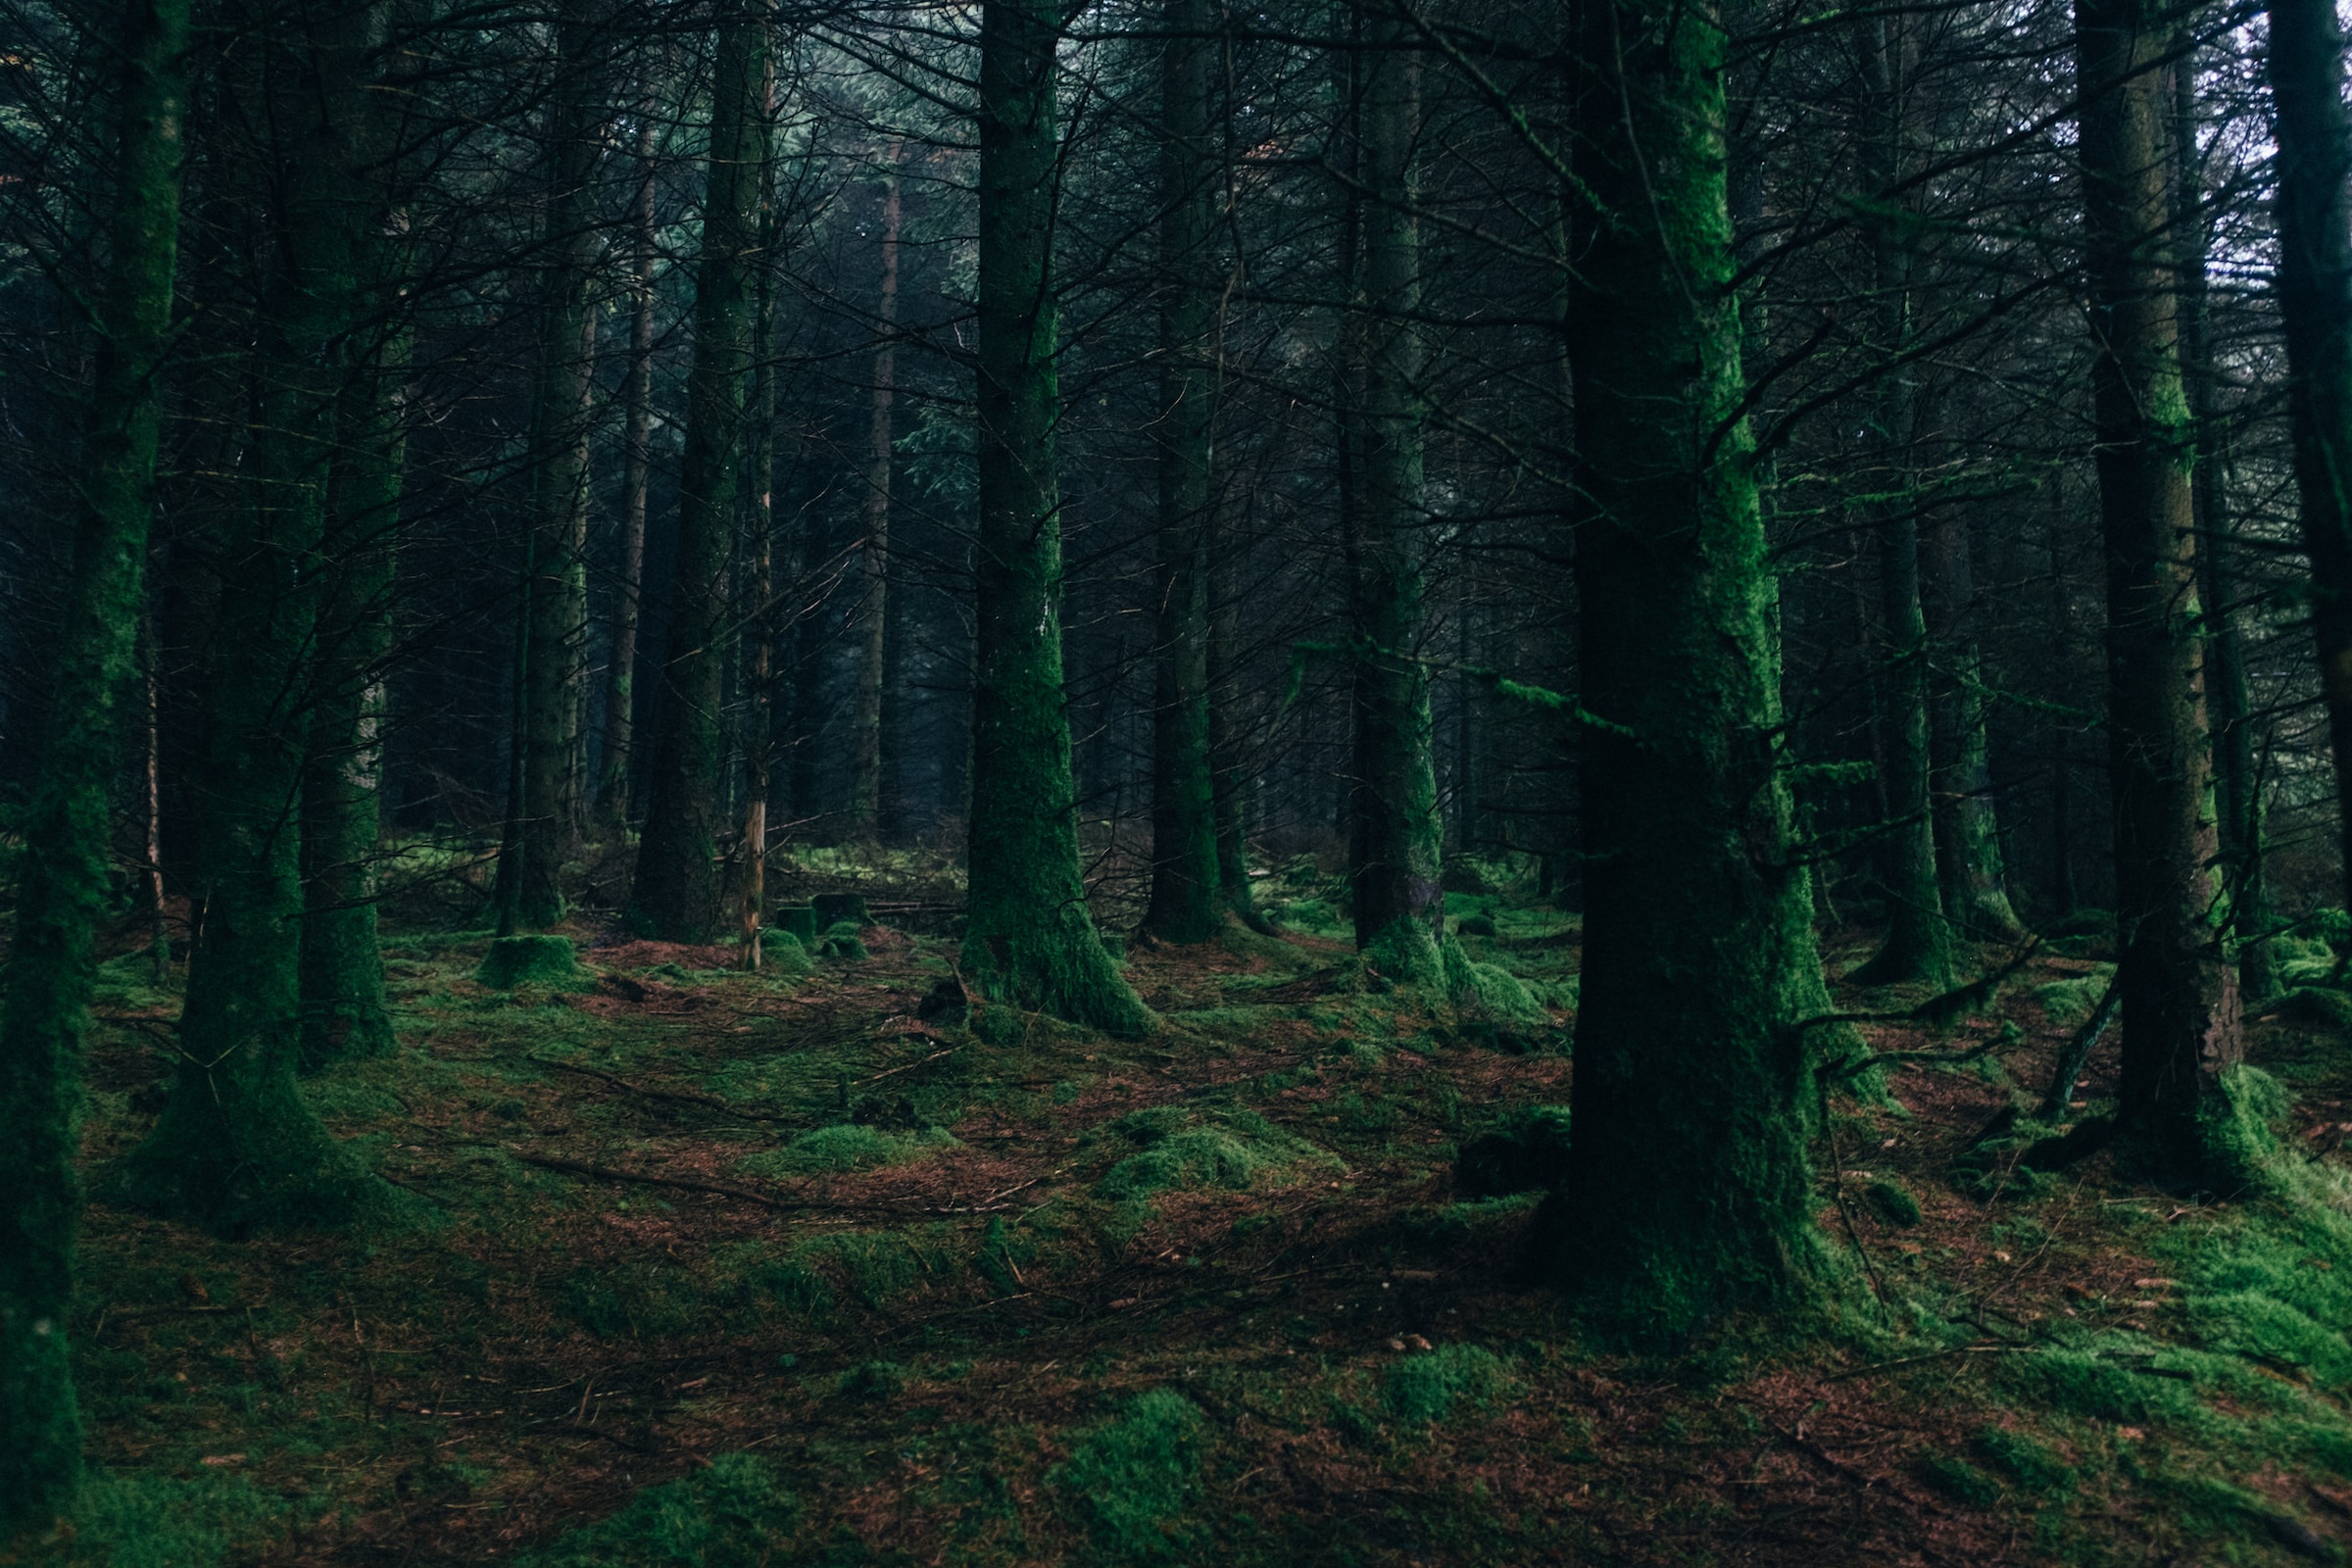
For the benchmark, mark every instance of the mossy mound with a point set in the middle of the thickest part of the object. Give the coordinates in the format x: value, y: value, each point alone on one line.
x: 512, y: 961
x: 1891, y: 1204
x: 1428, y: 1387
x: 1177, y: 1152
x: 1131, y: 1481
x: 783, y: 952
x: 847, y: 1147
x: 736, y: 1511
x: 1527, y: 1152
x: 843, y: 941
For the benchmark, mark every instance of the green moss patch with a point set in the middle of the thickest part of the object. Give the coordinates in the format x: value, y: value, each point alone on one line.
x: 1132, y: 1480
x: 513, y: 961
x: 1429, y: 1386
x: 735, y: 1511
x: 1178, y: 1153
x: 845, y: 1147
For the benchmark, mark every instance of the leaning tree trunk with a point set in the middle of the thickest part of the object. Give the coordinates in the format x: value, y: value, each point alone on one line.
x: 1399, y: 909
x: 679, y: 886
x: 1185, y: 904
x: 872, y: 614
x: 63, y: 888
x: 1688, y: 1192
x: 530, y: 891
x: 2314, y: 298
x: 636, y: 444
x: 237, y: 1146
x: 2180, y: 997
x: 1028, y: 939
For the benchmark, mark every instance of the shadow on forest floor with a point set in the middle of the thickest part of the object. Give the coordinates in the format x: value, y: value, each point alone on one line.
x: 760, y: 1268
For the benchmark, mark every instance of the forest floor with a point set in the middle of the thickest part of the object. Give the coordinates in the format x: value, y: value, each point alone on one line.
x: 720, y: 1268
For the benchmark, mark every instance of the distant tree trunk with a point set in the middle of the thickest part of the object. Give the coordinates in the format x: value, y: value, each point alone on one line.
x: 2315, y: 300
x: 1184, y: 903
x: 1226, y: 749
x: 1919, y: 943
x: 2180, y: 998
x: 1398, y: 903
x: 872, y: 614
x: 64, y: 890
x: 758, y: 613
x: 677, y: 889
x: 2237, y: 777
x: 2063, y: 893
x: 237, y: 1146
x: 530, y: 891
x: 1029, y: 939
x: 1689, y: 1191
x: 636, y: 444
x: 1967, y: 837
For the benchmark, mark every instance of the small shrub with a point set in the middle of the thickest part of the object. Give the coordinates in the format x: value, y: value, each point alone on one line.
x: 1427, y: 1387
x: 1133, y: 1479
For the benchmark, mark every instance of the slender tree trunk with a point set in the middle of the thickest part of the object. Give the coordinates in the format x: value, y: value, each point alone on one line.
x: 871, y: 616
x: 677, y: 892
x: 2314, y: 298
x: 237, y: 1146
x: 1918, y: 940
x: 1968, y: 836
x: 64, y: 883
x: 1184, y: 904
x: 758, y: 613
x: 1689, y: 1190
x: 530, y: 891
x: 1398, y: 903
x: 2180, y: 1007
x: 620, y: 680
x: 1029, y: 939
x: 2237, y: 777
x: 1228, y: 753
x: 2062, y: 763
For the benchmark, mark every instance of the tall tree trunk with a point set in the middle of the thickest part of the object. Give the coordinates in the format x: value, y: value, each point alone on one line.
x: 1689, y: 1191
x: 1228, y: 754
x: 1968, y: 836
x: 2237, y: 779
x: 2181, y: 1007
x: 677, y: 891
x: 1185, y: 904
x: 2314, y: 298
x: 1396, y: 873
x: 1028, y: 936
x: 1919, y: 943
x: 237, y: 1146
x: 64, y: 887
x: 757, y: 614
x: 530, y: 891
x: 873, y: 613
x: 636, y: 442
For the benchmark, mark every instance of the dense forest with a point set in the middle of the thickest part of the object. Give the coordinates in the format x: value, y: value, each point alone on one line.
x: 1357, y: 782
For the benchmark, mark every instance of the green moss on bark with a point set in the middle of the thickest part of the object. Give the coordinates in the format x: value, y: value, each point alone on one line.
x: 548, y: 961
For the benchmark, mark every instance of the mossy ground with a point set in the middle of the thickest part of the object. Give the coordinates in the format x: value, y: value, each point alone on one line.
x: 1212, y: 1296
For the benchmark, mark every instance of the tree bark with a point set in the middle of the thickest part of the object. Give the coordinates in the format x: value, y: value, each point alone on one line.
x: 1029, y: 940
x: 636, y: 444
x: 1184, y: 903
x: 2180, y: 998
x: 63, y: 888
x: 677, y: 891
x: 757, y: 613
x: 1970, y: 874
x: 1689, y: 1190
x: 871, y: 615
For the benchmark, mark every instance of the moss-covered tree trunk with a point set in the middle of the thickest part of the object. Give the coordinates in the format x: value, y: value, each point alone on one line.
x: 2181, y: 1004
x: 1689, y: 1191
x: 1184, y: 904
x: 864, y: 822
x: 1969, y: 871
x: 2237, y: 777
x: 236, y: 1145
x: 530, y: 893
x: 636, y: 445
x: 2315, y: 298
x: 1028, y: 939
x: 1918, y: 944
x: 677, y: 889
x: 1397, y: 836
x: 64, y: 885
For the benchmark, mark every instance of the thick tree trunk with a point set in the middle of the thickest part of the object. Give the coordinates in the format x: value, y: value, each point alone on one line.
x: 1397, y: 840
x: 872, y: 614
x: 2180, y: 998
x: 530, y: 892
x: 2314, y: 298
x: 237, y: 1146
x: 1029, y: 939
x: 636, y: 444
x: 64, y: 887
x: 677, y: 892
x: 1688, y: 1189
x: 1184, y: 904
